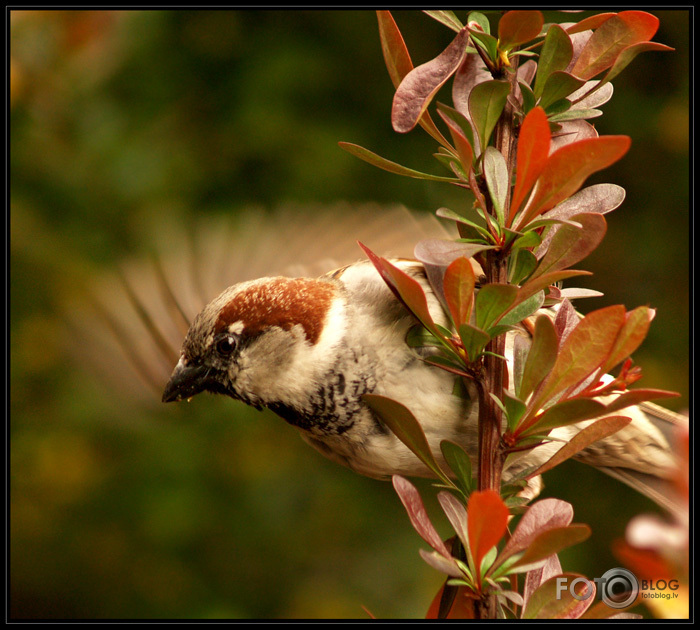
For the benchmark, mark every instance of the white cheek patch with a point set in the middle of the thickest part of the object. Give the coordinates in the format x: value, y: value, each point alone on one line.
x: 236, y: 328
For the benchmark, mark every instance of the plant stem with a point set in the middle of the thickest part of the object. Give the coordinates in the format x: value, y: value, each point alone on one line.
x: 491, y: 456
x: 494, y: 381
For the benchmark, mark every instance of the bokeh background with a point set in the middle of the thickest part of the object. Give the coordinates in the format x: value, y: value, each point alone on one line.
x: 123, y: 119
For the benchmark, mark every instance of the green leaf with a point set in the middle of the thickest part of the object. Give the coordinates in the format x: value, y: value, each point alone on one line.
x: 575, y: 114
x: 387, y: 165
x: 522, y: 264
x: 611, y: 38
x: 556, y: 54
x: 405, y: 427
x: 458, y: 460
x: 492, y: 301
x: 421, y: 84
x: 448, y: 18
x: 446, y: 213
x: 558, y: 86
x: 541, y: 358
x: 419, y: 337
x: 488, y: 43
x: 486, y: 102
x: 458, y: 285
x: 518, y: 27
x: 515, y: 409
x: 529, y: 99
x: 523, y: 310
x: 496, y: 174
x: 474, y: 340
x: 480, y: 19
x: 568, y: 167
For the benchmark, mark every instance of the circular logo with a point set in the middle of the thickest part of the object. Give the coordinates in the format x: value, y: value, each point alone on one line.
x: 618, y: 588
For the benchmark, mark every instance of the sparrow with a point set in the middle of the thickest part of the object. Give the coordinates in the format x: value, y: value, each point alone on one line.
x: 309, y: 349
x: 309, y: 344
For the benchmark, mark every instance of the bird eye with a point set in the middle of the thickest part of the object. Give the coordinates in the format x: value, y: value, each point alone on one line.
x: 226, y: 345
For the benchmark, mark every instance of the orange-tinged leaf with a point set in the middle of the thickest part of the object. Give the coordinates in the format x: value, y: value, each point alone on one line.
x: 585, y: 349
x: 458, y: 284
x: 518, y: 27
x: 627, y: 55
x: 533, y: 151
x: 420, y: 85
x: 463, y: 606
x: 567, y: 168
x: 600, y: 429
x: 396, y: 56
x: 487, y: 519
x: 631, y: 336
x: 589, y: 23
x: 636, y: 396
x: 611, y: 38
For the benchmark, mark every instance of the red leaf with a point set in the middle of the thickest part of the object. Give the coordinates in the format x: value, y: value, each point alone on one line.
x: 567, y: 168
x: 518, y: 27
x: 571, y: 244
x: 533, y: 151
x: 461, y: 142
x: 458, y: 285
x: 487, y: 519
x: 420, y: 85
x: 611, y: 38
x: 540, y: 516
x: 406, y: 289
x: 419, y: 517
x: 399, y: 64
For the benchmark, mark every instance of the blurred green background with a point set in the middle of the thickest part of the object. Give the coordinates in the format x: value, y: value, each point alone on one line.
x: 211, y: 510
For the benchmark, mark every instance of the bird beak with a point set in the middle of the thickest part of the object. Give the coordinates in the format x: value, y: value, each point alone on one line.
x: 185, y: 381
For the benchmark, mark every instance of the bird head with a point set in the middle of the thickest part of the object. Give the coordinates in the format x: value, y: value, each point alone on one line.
x: 260, y: 342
